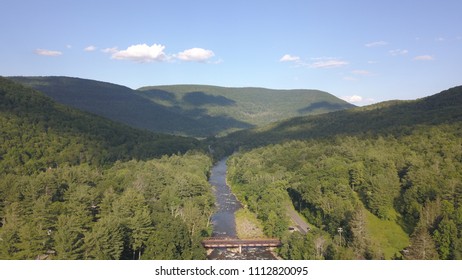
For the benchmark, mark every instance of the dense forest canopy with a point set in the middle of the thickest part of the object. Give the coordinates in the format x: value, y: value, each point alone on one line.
x: 76, y: 186
x: 155, y: 209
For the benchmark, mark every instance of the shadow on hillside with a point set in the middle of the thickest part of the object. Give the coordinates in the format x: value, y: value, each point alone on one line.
x: 160, y: 95
x: 322, y: 106
x: 199, y: 98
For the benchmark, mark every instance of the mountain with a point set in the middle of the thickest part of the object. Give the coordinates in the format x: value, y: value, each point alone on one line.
x: 391, y: 117
x: 250, y: 106
x: 112, y: 101
x: 192, y: 110
x: 38, y: 133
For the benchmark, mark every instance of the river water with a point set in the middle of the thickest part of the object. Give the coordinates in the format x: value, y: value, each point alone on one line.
x: 224, y: 222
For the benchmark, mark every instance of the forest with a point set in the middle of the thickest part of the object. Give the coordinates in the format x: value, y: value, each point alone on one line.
x: 77, y: 186
x: 155, y: 209
x: 409, y: 187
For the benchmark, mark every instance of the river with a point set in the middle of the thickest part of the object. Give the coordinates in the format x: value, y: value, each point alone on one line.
x: 224, y: 222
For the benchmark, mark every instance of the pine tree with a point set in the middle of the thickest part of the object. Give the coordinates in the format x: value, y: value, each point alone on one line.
x: 68, y: 238
x: 105, y: 241
x: 422, y: 246
x: 9, y: 232
x: 358, y: 228
x: 141, y: 228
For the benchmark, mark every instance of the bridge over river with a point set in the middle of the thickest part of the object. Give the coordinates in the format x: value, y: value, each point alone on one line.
x: 211, y: 243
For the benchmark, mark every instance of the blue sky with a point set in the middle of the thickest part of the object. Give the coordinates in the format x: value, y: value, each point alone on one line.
x: 363, y: 51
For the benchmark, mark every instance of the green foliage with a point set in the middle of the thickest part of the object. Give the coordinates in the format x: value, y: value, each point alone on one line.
x: 232, y: 109
x: 38, y: 134
x: 298, y: 247
x: 87, y: 210
x: 397, y: 118
x: 64, y: 192
x: 385, y: 238
x: 193, y: 110
x: 403, y: 181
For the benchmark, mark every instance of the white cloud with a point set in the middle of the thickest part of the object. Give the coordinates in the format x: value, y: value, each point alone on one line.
x: 195, y: 54
x: 358, y: 100
x: 398, y: 52
x: 140, y: 53
x: 353, y: 98
x: 328, y: 63
x: 90, y: 48
x: 317, y: 62
x: 288, y: 58
x: 376, y: 44
x: 424, y: 57
x: 47, y: 52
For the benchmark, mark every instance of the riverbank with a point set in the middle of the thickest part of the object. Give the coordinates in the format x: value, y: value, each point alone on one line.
x: 247, y: 225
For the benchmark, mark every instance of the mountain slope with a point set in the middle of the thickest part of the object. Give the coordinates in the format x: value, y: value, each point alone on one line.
x: 254, y: 106
x: 112, y: 101
x: 392, y: 117
x: 199, y: 111
x: 38, y: 133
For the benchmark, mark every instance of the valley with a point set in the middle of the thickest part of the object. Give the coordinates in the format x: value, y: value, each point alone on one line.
x: 91, y: 170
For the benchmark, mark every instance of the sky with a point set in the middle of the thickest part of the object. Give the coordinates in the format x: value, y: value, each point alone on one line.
x: 362, y: 51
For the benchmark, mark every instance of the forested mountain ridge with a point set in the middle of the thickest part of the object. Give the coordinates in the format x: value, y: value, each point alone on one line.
x: 114, y: 102
x: 192, y: 110
x: 383, y: 181
x: 250, y: 105
x: 392, y: 117
x: 77, y: 186
x: 38, y: 133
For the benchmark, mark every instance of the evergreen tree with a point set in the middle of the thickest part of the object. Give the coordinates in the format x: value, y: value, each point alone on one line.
x: 359, y: 234
x: 68, y: 238
x: 422, y: 246
x: 105, y: 240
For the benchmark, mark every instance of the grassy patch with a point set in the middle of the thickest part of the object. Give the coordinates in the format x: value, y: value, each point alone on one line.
x: 386, y: 235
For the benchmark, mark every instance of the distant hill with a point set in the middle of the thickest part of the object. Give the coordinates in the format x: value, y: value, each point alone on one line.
x: 391, y: 117
x: 249, y: 105
x: 191, y: 110
x: 38, y: 133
